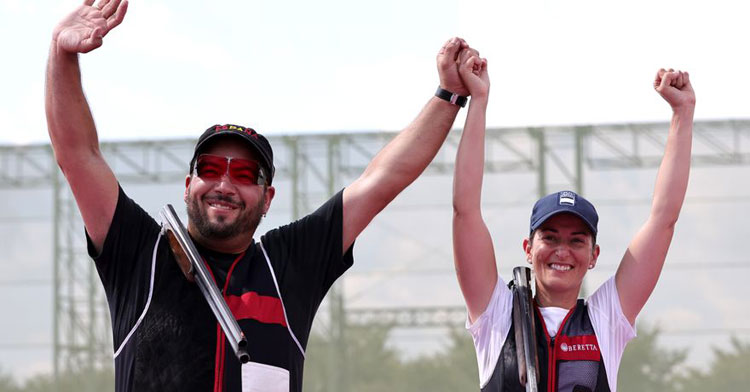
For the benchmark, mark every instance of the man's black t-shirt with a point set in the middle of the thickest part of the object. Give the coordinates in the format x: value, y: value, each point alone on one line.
x: 176, y: 345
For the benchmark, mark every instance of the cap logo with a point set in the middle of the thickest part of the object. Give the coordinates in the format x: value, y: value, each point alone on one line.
x: 567, y: 198
x: 229, y: 127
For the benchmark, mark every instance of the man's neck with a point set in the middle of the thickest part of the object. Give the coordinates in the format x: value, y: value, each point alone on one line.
x: 233, y: 245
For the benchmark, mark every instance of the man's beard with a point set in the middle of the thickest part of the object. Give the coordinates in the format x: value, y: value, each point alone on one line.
x: 248, y: 219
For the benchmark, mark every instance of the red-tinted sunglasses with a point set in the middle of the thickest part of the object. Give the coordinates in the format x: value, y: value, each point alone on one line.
x: 241, y: 171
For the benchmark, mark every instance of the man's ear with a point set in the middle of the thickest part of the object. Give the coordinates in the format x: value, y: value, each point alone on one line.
x: 270, y: 192
x: 188, y: 178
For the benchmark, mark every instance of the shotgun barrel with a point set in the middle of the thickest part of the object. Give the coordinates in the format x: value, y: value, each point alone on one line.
x: 523, y: 318
x: 191, y: 264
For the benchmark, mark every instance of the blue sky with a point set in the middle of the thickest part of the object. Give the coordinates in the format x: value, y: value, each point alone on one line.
x: 172, y: 69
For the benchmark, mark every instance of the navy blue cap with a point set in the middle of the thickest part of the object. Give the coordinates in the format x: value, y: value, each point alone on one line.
x: 256, y: 141
x: 564, y: 201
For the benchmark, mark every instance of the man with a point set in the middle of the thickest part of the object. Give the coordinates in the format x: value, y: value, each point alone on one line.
x: 579, y: 343
x: 165, y: 336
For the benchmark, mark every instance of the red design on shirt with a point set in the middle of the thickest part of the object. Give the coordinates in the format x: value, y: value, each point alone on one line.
x: 262, y: 308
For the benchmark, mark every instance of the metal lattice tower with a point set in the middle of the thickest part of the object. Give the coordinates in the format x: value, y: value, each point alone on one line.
x: 318, y: 165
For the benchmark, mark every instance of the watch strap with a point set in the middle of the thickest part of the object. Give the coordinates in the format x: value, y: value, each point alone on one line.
x: 451, y: 97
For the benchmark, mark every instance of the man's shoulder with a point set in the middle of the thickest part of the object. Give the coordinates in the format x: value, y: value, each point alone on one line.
x: 132, y: 229
x: 330, y: 209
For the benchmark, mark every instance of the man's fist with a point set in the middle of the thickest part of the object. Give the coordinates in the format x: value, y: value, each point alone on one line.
x: 447, y: 63
x: 674, y: 87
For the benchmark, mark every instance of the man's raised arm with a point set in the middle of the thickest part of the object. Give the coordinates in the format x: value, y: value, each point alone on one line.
x: 69, y: 121
x: 641, y: 265
x: 405, y: 157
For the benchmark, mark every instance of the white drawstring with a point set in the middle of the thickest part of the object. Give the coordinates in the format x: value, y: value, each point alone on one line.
x: 150, y: 294
x: 283, y: 308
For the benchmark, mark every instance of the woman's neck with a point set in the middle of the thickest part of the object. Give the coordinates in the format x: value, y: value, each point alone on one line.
x: 565, y: 300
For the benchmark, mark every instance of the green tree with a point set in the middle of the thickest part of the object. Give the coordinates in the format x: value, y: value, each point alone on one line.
x: 729, y: 370
x: 372, y: 366
x: 369, y: 364
x: 647, y: 367
x: 84, y: 380
x: 7, y: 383
x: 454, y: 369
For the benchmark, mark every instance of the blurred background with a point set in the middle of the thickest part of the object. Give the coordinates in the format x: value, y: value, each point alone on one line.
x: 330, y: 83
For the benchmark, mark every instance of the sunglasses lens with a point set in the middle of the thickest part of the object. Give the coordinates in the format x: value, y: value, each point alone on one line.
x: 241, y: 171
x: 211, y: 167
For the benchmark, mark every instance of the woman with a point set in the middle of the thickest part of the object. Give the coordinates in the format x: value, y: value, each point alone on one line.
x: 580, y: 343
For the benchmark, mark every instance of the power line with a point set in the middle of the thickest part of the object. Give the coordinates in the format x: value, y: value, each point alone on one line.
x: 26, y: 346
x: 377, y: 273
x: 599, y: 202
x: 25, y: 282
x: 439, y: 271
x: 696, y: 265
x: 26, y: 219
x: 413, y: 333
x: 706, y: 331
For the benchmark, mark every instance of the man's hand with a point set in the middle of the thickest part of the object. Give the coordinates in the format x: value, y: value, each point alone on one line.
x: 83, y: 30
x: 674, y: 87
x: 447, y: 63
x: 473, y: 72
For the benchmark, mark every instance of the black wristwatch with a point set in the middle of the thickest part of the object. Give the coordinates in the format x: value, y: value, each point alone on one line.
x: 451, y: 97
